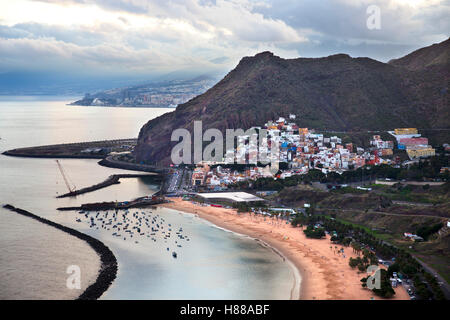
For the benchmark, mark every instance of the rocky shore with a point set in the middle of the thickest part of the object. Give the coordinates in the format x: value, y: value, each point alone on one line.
x: 108, y: 269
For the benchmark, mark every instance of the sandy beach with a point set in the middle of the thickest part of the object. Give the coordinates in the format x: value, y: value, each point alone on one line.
x: 325, y: 273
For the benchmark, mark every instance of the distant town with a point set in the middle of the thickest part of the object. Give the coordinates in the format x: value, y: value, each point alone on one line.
x: 154, y: 95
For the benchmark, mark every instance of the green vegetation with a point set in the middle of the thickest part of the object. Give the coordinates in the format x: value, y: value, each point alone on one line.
x: 426, y: 231
x: 372, y: 246
x: 362, y: 263
x: 426, y: 169
x: 242, y: 207
x: 415, y: 193
x: 385, y: 290
x: 314, y: 232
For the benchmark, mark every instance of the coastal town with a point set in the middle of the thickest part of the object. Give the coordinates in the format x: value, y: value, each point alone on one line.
x: 212, y: 190
x: 167, y: 94
x: 303, y: 149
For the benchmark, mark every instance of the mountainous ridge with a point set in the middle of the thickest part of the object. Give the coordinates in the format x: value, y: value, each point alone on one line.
x: 436, y: 54
x: 337, y: 92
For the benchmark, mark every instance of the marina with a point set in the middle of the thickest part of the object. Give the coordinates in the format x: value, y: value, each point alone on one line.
x: 211, y: 263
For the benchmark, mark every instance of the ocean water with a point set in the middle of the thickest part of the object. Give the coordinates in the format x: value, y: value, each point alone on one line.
x: 213, y: 264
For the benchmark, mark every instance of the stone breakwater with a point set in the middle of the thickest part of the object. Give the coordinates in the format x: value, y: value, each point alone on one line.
x: 108, y: 269
x: 78, y: 150
x: 112, y: 179
x: 112, y: 162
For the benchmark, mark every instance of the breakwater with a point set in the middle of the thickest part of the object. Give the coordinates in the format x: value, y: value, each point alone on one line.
x: 79, y: 150
x: 108, y: 269
x: 112, y: 179
x: 112, y: 205
x: 111, y: 162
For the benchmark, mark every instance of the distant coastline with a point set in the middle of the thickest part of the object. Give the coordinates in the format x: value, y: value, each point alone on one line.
x: 119, y: 106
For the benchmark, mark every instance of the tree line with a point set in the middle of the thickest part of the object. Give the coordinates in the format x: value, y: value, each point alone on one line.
x: 366, y: 243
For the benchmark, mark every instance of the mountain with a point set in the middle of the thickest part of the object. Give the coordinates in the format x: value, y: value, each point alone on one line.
x: 434, y: 55
x: 333, y: 93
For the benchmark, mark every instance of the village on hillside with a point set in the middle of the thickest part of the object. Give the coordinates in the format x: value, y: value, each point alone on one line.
x: 303, y: 149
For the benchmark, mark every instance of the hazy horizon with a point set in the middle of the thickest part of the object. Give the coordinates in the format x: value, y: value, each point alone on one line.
x: 74, y: 46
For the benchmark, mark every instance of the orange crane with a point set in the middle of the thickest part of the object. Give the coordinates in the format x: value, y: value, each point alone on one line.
x: 66, y: 178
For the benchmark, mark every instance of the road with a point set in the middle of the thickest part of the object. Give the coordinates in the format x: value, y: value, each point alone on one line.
x: 442, y: 283
x: 179, y: 181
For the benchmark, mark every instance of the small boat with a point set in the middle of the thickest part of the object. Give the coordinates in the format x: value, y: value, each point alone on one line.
x: 174, y: 254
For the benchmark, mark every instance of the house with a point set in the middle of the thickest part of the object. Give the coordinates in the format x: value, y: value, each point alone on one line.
x: 405, y: 131
x: 420, y: 152
x: 413, y: 237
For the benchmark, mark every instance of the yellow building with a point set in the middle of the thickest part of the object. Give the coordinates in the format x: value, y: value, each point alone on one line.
x: 419, y: 152
x: 303, y: 131
x: 401, y: 131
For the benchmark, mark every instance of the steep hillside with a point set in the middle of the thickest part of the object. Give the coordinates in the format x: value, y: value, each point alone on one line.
x: 436, y: 54
x: 333, y: 93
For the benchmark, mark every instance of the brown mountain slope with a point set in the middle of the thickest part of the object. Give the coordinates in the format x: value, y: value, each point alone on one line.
x: 334, y: 93
x: 436, y: 54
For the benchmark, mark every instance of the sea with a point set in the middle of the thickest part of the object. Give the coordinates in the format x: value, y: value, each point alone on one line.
x: 36, y: 260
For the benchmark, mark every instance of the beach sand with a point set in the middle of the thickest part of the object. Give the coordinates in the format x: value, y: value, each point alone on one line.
x: 325, y: 273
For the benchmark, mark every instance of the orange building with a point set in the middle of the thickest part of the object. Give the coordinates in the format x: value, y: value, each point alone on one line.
x: 303, y: 131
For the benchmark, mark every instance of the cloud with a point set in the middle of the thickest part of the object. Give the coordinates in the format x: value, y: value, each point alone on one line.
x: 341, y: 25
x: 148, y: 37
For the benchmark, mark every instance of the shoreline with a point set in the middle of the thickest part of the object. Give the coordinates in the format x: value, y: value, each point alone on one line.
x: 296, y: 287
x: 325, y: 274
x: 108, y: 267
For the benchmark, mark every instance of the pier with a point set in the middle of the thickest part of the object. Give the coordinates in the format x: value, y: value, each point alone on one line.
x: 113, y: 179
x: 79, y: 150
x: 113, y: 205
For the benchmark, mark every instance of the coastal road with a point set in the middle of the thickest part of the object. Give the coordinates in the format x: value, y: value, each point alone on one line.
x: 179, y: 181
x: 442, y: 283
x: 173, y: 181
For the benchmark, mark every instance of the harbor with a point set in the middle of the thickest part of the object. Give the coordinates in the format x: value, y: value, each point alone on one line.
x: 213, y: 264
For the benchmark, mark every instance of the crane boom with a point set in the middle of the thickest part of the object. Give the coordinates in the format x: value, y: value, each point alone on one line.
x: 61, y: 169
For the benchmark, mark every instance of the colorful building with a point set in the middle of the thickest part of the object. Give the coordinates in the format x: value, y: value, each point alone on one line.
x: 413, y: 141
x: 303, y: 131
x: 420, y: 152
x: 403, y: 131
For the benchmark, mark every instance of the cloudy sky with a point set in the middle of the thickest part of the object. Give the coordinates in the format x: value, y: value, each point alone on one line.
x: 143, y: 38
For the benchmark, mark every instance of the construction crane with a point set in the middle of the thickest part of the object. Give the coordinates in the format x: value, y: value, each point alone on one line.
x: 66, y: 178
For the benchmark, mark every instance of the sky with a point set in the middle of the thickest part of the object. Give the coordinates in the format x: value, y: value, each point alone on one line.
x: 149, y: 38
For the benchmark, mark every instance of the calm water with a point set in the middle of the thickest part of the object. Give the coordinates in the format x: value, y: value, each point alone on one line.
x: 214, y: 264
